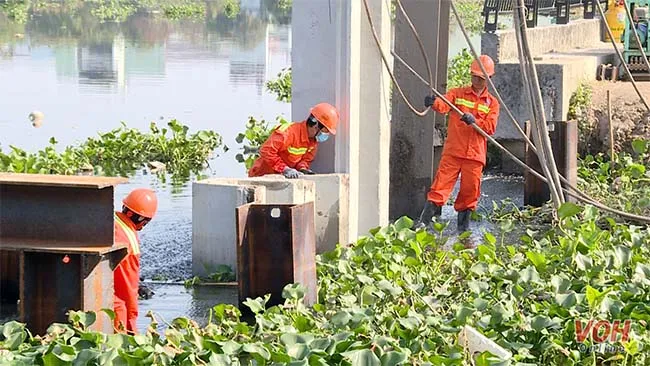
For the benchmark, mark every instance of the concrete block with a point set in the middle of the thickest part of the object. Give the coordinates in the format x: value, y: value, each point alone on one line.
x: 214, y: 200
x: 331, y: 210
x: 582, y: 33
x: 559, y: 76
x: 214, y: 235
x: 278, y: 189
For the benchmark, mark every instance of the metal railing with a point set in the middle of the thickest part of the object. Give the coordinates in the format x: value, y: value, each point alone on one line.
x: 559, y: 8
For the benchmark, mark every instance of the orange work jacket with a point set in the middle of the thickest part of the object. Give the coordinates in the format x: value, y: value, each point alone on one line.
x: 289, y: 145
x: 462, y: 140
x: 126, y: 277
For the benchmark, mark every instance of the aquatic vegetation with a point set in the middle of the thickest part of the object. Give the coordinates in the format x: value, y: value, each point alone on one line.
x: 121, y: 151
x: 256, y: 133
x: 623, y: 182
x: 188, y: 9
x: 396, y: 297
x: 281, y: 86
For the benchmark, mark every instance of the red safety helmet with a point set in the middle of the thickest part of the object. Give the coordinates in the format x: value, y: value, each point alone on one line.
x: 142, y: 201
x: 326, y: 114
x: 488, y: 64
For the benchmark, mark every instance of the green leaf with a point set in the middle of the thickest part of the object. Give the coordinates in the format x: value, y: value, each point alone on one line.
x: 362, y: 357
x: 540, y: 322
x: 478, y: 287
x: 257, y: 349
x: 639, y: 146
x: 560, y: 284
x: 622, y: 256
x: 403, y: 222
x: 567, y: 300
x: 529, y: 274
x: 568, y: 209
x: 298, y: 351
x: 583, y: 262
x: 341, y: 318
x: 393, y: 358
x: 538, y: 260
x: 220, y: 360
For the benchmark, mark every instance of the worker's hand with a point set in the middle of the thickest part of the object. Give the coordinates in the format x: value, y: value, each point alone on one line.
x: 468, y: 118
x: 307, y: 171
x: 428, y: 100
x: 291, y: 173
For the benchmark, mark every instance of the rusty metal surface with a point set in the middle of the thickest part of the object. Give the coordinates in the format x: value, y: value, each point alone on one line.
x: 9, y: 275
x: 564, y: 142
x: 60, y: 180
x: 275, y: 250
x: 50, y: 288
x: 303, y: 235
x: 67, y: 215
x: 49, y: 246
x: 98, y: 289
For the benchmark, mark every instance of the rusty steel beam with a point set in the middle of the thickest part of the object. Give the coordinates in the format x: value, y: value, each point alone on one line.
x: 276, y: 246
x: 57, y: 234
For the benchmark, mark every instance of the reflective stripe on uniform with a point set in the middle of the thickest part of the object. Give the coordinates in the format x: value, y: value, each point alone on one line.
x: 133, y: 240
x: 469, y: 104
x: 297, y: 150
x: 464, y: 102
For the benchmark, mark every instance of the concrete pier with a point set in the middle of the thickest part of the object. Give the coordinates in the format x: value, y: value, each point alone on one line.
x: 414, y: 139
x: 335, y: 60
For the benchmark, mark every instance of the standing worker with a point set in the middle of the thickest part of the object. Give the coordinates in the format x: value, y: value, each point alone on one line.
x: 292, y: 147
x: 465, y: 150
x: 138, y: 208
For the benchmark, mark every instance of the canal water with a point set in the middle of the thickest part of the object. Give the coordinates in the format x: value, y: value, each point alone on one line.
x: 87, y: 76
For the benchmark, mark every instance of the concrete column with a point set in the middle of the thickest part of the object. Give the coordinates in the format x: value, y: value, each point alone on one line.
x: 335, y: 60
x: 412, y: 137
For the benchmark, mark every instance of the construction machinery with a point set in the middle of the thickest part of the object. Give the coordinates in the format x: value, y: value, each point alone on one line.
x: 632, y: 53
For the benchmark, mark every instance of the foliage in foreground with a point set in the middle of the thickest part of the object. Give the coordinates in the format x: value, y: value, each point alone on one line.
x: 622, y: 182
x: 120, y: 151
x: 396, y: 297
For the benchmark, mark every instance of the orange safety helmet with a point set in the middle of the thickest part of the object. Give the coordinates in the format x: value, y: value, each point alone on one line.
x: 488, y: 64
x: 326, y: 114
x: 142, y: 201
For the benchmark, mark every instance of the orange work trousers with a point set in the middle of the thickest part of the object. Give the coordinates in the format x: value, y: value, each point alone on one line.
x: 470, y: 182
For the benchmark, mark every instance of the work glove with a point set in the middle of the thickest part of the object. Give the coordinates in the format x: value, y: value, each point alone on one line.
x: 468, y: 118
x: 307, y: 171
x: 291, y: 173
x: 428, y: 100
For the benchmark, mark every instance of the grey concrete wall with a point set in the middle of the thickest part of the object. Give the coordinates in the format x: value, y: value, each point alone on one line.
x: 335, y: 59
x: 559, y: 76
x: 582, y: 33
x: 332, y: 210
x: 412, y: 137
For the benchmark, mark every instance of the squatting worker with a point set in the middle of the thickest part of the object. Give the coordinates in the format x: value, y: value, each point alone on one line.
x: 138, y: 208
x: 464, y: 150
x: 292, y: 146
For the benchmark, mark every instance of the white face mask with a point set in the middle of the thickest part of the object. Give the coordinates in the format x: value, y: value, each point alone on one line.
x: 322, y: 136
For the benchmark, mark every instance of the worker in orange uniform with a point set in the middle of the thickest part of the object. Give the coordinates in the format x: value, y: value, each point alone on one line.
x: 464, y: 150
x: 138, y: 208
x: 292, y: 147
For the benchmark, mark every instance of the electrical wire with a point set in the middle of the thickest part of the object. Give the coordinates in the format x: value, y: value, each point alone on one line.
x: 533, y: 94
x: 418, y: 39
x: 383, y: 57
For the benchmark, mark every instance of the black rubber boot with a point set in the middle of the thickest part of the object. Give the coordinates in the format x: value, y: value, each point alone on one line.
x: 430, y: 211
x: 463, y: 220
